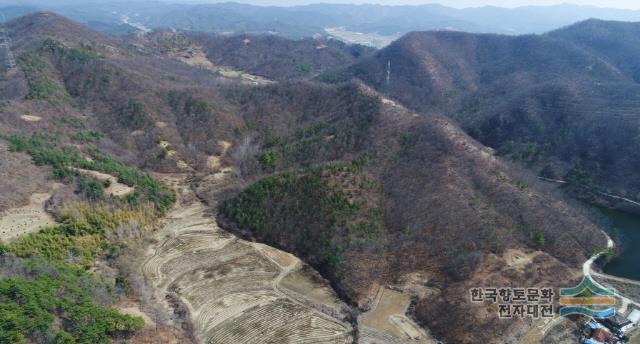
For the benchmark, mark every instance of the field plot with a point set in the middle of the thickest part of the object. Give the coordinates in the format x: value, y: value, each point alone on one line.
x: 304, y: 283
x: 231, y: 287
x: 194, y: 55
x: 30, y: 218
x: 386, y: 322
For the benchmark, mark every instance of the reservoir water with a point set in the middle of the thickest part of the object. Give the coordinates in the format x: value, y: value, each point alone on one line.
x: 625, y: 230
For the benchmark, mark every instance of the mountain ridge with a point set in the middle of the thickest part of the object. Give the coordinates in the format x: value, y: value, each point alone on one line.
x: 523, y: 96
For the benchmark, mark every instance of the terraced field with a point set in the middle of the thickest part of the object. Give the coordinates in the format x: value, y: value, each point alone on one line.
x: 231, y: 287
x: 27, y: 219
x: 387, y: 322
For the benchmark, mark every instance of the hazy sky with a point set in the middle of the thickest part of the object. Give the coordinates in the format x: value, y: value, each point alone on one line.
x: 627, y: 4
x: 624, y: 4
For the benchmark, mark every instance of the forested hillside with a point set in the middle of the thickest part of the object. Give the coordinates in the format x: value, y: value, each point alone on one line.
x: 278, y: 58
x: 563, y: 104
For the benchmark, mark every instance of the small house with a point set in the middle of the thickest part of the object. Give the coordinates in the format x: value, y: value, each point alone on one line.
x: 634, y: 317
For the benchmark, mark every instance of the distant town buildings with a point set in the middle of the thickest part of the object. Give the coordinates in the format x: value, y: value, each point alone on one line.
x: 610, y: 330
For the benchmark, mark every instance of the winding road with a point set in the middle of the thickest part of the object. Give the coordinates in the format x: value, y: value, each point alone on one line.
x: 587, y: 272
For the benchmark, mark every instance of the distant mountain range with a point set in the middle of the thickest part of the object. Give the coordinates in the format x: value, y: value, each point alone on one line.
x: 310, y: 20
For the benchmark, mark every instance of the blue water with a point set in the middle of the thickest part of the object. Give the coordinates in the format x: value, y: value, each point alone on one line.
x: 625, y: 229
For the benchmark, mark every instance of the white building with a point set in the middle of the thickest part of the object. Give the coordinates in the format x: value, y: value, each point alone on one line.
x: 634, y: 317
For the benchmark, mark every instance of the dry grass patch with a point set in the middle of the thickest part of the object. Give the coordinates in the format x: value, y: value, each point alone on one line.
x: 388, y: 316
x: 30, y: 118
x: 311, y: 286
x: 519, y: 259
x: 133, y: 308
x: 27, y: 219
x: 283, y: 259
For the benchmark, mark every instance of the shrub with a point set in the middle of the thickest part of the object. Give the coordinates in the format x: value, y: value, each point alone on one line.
x: 74, y: 56
x: 83, y: 233
x: 268, y: 161
x: 80, y: 219
x: 47, y: 279
x: 87, y: 136
x: 31, y: 300
x: 46, y: 150
x: 305, y: 67
x: 133, y: 115
x: 315, y: 212
x: 74, y: 122
x: 53, y: 244
x: 40, y: 85
x: 274, y: 141
x: 90, y: 187
x: 549, y: 171
x: 520, y: 184
x: 540, y: 239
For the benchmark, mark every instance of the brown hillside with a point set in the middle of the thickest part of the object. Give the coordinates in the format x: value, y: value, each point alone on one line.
x: 279, y: 58
x: 438, y: 189
x: 365, y: 190
x: 559, y: 104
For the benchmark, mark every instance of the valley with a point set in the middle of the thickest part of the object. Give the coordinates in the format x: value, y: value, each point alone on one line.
x: 232, y: 288
x: 238, y: 291
x: 369, y: 39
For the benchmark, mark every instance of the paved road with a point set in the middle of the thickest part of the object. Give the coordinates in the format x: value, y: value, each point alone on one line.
x: 587, y: 271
